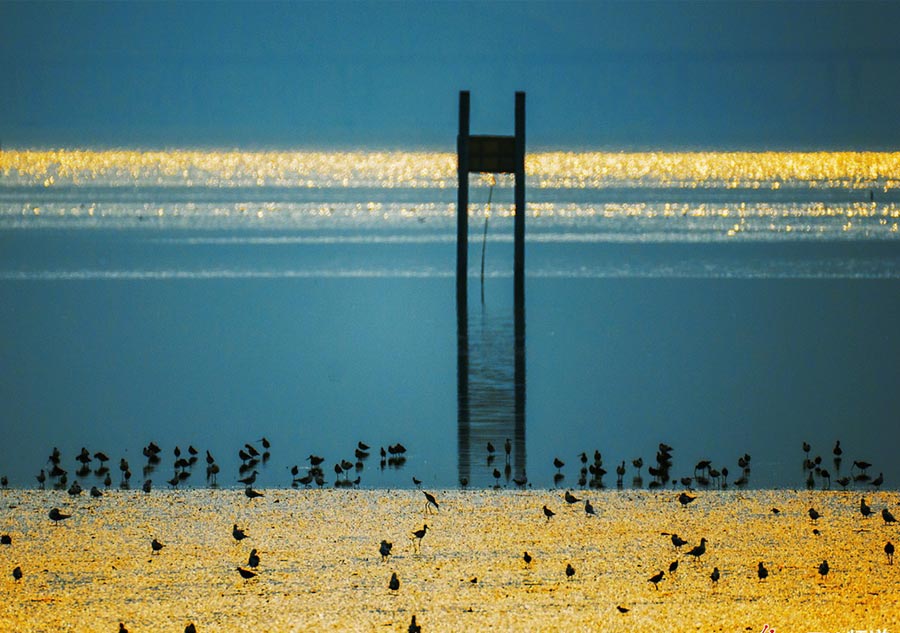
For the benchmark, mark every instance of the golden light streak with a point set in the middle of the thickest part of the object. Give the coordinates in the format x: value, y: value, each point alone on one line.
x: 730, y: 170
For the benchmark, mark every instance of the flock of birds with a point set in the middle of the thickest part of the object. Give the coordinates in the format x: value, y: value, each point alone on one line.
x: 590, y: 476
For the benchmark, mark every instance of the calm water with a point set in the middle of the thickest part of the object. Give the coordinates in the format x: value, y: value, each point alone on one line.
x: 720, y: 304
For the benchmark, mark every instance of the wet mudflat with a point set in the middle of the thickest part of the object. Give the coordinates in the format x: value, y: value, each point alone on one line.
x: 320, y: 566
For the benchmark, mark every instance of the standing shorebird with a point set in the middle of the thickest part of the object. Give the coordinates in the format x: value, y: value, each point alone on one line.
x: 238, y: 533
x: 156, y: 546
x: 246, y: 574
x: 548, y: 512
x: 889, y: 550
x: 570, y: 498
x: 714, y: 576
x: 394, y: 583
x: 814, y: 515
x: 699, y: 550
x: 887, y: 516
x: 684, y: 499
x: 864, y: 509
x: 430, y: 501
x: 413, y: 627
x: 656, y: 578
x: 253, y: 561
x: 677, y: 541
x: 418, y: 535
x: 823, y: 569
x: 58, y: 516
x: 385, y: 550
x: 17, y: 573
x: 570, y: 571
x: 761, y: 572
x: 527, y: 557
x: 588, y: 508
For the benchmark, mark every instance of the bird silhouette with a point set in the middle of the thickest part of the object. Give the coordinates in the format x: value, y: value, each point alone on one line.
x: 156, y: 546
x: 814, y: 515
x: 190, y: 628
x: 237, y: 533
x: 430, y: 501
x: 58, y: 516
x: 246, y: 573
x: 878, y: 480
x: 889, y: 550
x: 394, y: 583
x: 677, y: 541
x: 622, y: 609
x: 122, y: 628
x: 588, y: 508
x: 656, y: 578
x: 6, y: 539
x: 673, y: 566
x: 823, y: 569
x: 761, y: 572
x: 714, y: 576
x: 684, y: 499
x: 864, y: 509
x: 251, y: 493
x: 887, y: 516
x: 249, y: 479
x: 413, y: 627
x: 418, y: 535
x: 17, y: 573
x: 699, y: 550
x: 527, y: 557
x: 385, y: 550
x: 570, y: 571
x: 548, y: 512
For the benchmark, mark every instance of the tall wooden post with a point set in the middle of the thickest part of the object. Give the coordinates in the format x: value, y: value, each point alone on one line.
x: 462, y: 202
x: 519, y: 286
x: 493, y: 155
x: 519, y: 227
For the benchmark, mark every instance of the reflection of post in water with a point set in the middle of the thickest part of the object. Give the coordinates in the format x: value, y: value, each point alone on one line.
x: 491, y: 394
x: 491, y: 357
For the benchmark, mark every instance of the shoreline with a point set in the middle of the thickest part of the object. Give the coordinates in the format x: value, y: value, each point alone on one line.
x: 321, y: 569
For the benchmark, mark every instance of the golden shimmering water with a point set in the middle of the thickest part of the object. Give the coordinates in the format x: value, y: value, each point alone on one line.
x: 605, y: 196
x: 772, y: 170
x: 320, y: 568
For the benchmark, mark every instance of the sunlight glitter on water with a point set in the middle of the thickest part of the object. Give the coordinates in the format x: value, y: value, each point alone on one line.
x: 772, y: 170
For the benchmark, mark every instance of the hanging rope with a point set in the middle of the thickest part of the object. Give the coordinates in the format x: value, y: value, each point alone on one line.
x: 487, y: 214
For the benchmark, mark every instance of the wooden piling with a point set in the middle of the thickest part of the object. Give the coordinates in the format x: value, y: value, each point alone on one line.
x: 519, y: 227
x: 462, y: 203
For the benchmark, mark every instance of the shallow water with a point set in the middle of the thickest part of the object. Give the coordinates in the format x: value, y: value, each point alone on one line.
x: 720, y: 321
